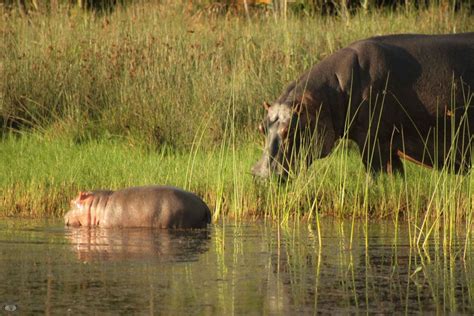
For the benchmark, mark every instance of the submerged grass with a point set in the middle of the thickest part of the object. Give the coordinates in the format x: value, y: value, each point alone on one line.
x: 155, y: 94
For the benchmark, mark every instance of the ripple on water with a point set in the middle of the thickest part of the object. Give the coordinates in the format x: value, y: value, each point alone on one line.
x: 252, y: 268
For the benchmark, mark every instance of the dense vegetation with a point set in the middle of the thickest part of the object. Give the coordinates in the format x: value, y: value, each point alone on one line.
x: 155, y: 93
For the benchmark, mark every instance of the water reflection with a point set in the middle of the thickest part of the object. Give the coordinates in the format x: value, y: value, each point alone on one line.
x: 230, y: 269
x: 138, y: 244
x: 380, y: 274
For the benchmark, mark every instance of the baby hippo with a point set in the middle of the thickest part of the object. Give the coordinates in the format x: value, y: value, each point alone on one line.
x: 148, y: 206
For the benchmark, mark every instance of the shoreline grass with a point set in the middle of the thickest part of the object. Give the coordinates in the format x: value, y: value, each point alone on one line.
x: 40, y: 176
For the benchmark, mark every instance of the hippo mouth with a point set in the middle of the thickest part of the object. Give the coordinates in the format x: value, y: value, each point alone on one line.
x: 267, y: 167
x: 261, y: 169
x: 75, y: 224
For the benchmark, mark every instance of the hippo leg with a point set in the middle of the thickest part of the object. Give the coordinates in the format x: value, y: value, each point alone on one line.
x: 396, y: 164
x: 381, y: 158
x: 391, y: 163
x: 384, y: 161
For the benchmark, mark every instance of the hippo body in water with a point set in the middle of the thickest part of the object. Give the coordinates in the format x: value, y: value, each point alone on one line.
x: 147, y: 206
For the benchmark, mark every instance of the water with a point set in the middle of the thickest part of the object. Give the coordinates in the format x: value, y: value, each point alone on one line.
x: 249, y: 269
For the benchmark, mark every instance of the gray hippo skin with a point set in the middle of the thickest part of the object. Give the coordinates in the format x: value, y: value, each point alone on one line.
x: 397, y: 96
x: 147, y: 206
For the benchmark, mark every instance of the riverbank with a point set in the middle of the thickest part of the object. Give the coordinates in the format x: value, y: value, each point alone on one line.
x: 41, y: 175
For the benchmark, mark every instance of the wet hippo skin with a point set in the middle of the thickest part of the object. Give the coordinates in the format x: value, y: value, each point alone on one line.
x: 147, y: 206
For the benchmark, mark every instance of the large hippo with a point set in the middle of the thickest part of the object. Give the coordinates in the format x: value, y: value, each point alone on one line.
x: 398, y: 96
x: 147, y: 206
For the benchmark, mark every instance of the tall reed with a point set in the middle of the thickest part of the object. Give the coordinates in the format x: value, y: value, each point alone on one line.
x: 155, y: 94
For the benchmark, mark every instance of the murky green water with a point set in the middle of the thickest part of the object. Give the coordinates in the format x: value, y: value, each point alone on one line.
x: 227, y: 269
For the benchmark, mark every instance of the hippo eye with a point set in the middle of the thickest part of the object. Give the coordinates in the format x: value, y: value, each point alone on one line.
x: 263, y: 127
x: 283, y: 131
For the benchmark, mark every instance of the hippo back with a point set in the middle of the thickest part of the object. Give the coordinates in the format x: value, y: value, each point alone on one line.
x: 156, y: 206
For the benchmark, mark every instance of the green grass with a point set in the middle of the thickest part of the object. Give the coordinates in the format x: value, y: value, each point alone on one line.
x: 153, y: 75
x: 149, y: 94
x: 40, y: 176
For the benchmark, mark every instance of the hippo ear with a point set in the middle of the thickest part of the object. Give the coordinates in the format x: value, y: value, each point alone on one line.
x: 266, y: 105
x: 84, y: 195
x: 304, y: 103
x: 298, y: 107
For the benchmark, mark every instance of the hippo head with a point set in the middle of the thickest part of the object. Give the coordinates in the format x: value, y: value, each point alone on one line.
x: 294, y: 131
x: 79, y: 215
x: 72, y: 218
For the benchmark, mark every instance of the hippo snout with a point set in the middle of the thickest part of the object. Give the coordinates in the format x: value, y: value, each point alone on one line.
x: 72, y: 219
x: 261, y: 169
x: 75, y: 223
